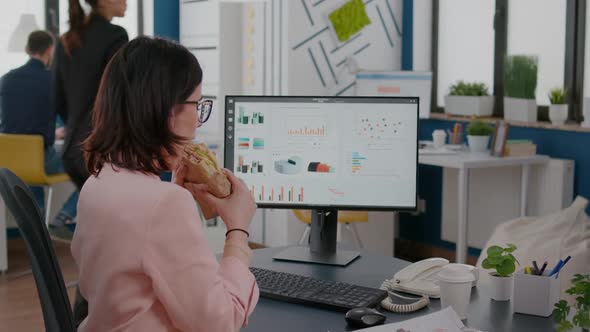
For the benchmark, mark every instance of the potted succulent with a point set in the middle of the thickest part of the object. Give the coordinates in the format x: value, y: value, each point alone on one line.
x: 502, y: 279
x: 469, y: 99
x: 558, y: 110
x: 581, y: 290
x: 478, y: 136
x: 520, y: 83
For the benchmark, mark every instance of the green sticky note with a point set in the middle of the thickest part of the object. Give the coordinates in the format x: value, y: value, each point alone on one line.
x: 349, y: 19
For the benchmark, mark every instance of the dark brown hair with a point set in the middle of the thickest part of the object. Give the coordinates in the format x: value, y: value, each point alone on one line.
x: 39, y: 41
x: 73, y: 38
x: 140, y: 86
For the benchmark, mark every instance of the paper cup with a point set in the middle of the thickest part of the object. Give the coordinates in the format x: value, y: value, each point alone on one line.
x: 438, y: 138
x: 455, y: 281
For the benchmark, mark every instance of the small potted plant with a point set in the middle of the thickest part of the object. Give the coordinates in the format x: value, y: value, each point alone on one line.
x: 502, y: 279
x: 478, y: 136
x: 469, y: 99
x: 558, y: 110
x: 581, y: 290
x: 520, y: 83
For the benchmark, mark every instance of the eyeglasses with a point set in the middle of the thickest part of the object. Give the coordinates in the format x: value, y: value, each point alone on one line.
x: 204, y: 108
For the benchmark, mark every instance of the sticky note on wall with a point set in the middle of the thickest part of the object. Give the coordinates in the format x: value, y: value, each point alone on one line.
x: 349, y: 19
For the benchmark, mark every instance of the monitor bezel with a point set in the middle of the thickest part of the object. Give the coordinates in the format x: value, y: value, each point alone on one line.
x: 320, y: 206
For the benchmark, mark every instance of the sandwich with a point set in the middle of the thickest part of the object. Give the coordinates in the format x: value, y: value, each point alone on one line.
x: 202, y: 168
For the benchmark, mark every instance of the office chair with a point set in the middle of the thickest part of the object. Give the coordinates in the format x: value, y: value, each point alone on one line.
x: 25, y: 156
x: 348, y: 218
x: 53, y: 297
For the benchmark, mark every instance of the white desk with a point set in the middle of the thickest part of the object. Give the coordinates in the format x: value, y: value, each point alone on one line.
x: 464, y: 161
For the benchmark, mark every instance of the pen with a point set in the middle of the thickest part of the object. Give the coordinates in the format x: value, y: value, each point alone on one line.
x: 556, y: 268
x: 567, y: 259
x: 543, y: 268
x: 535, y: 268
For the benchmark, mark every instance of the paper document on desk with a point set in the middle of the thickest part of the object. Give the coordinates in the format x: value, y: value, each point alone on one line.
x: 445, y: 320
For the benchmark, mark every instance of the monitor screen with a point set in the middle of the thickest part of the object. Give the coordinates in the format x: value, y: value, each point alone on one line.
x: 325, y: 152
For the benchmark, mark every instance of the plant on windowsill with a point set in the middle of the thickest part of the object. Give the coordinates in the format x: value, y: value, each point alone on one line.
x: 558, y: 110
x: 581, y: 289
x: 469, y: 99
x: 520, y: 83
x: 478, y: 136
x: 504, y: 263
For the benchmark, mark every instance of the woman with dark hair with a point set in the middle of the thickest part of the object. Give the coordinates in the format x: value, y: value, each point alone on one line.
x: 144, y: 263
x: 80, y: 59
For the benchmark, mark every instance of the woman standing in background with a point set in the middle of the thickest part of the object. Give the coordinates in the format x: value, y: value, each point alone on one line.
x: 80, y: 59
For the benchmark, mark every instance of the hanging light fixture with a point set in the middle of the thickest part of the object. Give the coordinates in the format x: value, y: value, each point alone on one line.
x: 18, y: 39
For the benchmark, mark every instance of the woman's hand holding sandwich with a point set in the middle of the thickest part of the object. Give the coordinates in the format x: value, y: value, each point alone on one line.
x: 236, y: 210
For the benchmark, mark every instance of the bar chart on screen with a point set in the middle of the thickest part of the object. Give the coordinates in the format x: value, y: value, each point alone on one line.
x: 278, y: 194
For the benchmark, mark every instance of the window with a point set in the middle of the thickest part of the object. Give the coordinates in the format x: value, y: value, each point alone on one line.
x: 466, y: 44
x: 10, y: 15
x: 537, y: 27
x: 129, y: 22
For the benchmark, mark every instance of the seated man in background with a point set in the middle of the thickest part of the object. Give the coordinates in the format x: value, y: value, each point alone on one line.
x: 25, y: 109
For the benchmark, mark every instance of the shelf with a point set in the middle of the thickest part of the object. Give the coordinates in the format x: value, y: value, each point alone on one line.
x: 540, y: 125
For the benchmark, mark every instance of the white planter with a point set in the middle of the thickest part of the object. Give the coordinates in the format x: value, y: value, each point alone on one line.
x: 469, y: 105
x: 518, y: 109
x: 558, y: 114
x: 501, y: 287
x: 478, y: 143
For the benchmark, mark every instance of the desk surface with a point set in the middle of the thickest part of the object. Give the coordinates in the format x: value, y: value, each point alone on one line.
x: 478, y: 160
x: 370, y: 270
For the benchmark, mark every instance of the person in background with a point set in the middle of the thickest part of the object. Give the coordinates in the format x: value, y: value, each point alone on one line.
x: 144, y: 261
x: 80, y: 59
x: 25, y: 109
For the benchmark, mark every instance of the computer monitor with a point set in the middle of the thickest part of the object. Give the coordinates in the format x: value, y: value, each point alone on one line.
x: 325, y: 154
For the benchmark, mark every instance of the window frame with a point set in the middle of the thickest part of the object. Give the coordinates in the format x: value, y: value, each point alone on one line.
x: 574, y: 57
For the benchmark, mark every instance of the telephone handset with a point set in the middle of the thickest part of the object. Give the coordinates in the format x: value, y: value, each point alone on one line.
x: 421, y: 277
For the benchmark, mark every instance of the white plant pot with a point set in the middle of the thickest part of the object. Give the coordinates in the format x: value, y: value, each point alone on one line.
x: 558, y: 114
x: 469, y: 105
x: 478, y: 143
x: 501, y: 287
x: 519, y: 109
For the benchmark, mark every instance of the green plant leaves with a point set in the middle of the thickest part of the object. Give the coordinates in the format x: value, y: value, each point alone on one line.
x: 486, y: 264
x: 506, y: 268
x: 564, y: 326
x: 582, y: 318
x: 557, y: 96
x: 561, y: 311
x: 520, y: 76
x: 501, y: 259
x: 479, y: 128
x: 468, y: 89
x: 495, y: 251
x: 580, y: 286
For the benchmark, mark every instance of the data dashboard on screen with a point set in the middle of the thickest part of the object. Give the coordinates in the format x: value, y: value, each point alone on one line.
x: 343, y: 152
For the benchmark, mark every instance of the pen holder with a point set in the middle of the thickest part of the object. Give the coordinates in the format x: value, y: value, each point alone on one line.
x: 535, y: 295
x: 455, y: 139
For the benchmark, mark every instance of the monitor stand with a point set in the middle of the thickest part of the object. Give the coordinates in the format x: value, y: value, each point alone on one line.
x: 322, y: 243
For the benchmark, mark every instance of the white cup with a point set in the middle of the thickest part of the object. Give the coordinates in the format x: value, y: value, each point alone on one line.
x: 438, y: 138
x: 455, y: 281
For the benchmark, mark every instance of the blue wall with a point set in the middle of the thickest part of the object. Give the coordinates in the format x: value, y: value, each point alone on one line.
x: 166, y: 19
x: 554, y: 143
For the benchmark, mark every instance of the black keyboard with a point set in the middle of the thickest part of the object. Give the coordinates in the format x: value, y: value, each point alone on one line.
x: 315, y: 292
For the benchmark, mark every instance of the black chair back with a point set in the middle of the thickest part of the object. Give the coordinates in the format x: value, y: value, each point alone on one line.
x: 51, y: 288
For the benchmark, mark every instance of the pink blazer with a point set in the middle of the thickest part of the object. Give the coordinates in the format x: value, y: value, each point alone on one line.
x: 145, y: 265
